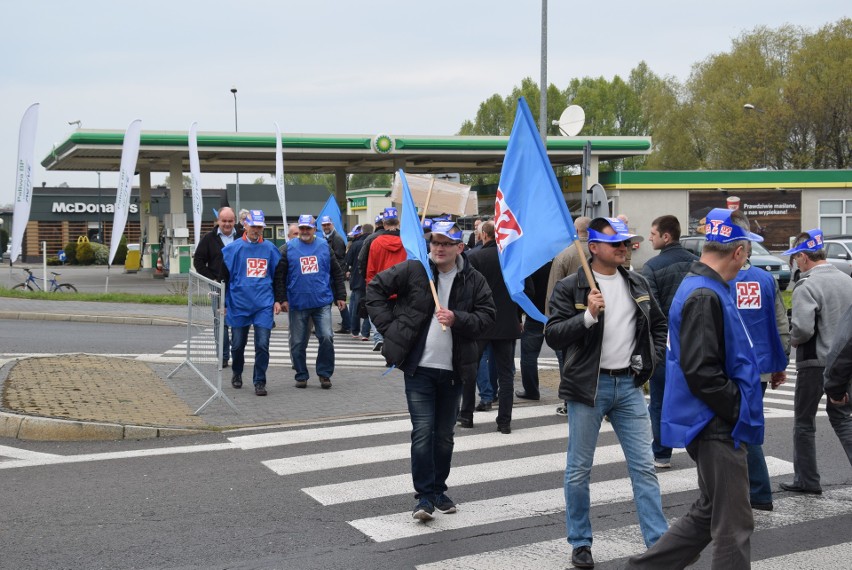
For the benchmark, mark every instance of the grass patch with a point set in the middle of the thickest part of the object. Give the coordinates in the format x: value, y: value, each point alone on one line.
x: 173, y: 299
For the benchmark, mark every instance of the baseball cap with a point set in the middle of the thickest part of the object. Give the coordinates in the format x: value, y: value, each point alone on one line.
x: 390, y: 214
x: 326, y: 220
x: 621, y: 232
x: 356, y: 231
x: 307, y: 220
x: 720, y: 228
x: 427, y: 225
x: 256, y: 218
x: 815, y: 243
x: 378, y: 219
x: 445, y: 229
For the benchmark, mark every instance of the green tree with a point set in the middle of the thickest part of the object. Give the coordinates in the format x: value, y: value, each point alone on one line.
x: 370, y: 180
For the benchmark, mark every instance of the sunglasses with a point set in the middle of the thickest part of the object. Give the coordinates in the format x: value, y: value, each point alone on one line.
x: 617, y: 244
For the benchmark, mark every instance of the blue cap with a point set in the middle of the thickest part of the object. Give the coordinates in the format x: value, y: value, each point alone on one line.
x: 378, y: 219
x: 307, y: 220
x: 326, y: 220
x: 445, y: 229
x: 622, y: 233
x: 813, y: 244
x: 256, y: 218
x: 443, y: 218
x: 390, y: 214
x: 718, y: 227
x: 356, y: 231
x: 427, y: 225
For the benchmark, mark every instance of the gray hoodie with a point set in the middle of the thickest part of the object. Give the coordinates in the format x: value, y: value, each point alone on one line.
x: 820, y: 299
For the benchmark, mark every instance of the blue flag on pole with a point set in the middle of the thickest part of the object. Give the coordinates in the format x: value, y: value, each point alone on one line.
x: 531, y: 221
x: 410, y: 230
x: 332, y: 210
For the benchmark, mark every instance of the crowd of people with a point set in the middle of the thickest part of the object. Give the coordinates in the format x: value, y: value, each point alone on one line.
x: 702, y: 337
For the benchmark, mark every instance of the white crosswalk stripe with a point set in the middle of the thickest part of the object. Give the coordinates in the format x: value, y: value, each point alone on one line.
x: 354, y: 472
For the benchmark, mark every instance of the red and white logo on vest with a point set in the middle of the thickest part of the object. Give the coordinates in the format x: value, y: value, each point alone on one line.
x: 506, y: 226
x: 309, y: 264
x: 748, y: 295
x: 256, y: 267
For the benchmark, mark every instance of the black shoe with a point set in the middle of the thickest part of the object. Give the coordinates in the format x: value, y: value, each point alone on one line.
x: 342, y: 331
x: 325, y: 383
x: 524, y: 396
x: 225, y: 363
x: 762, y: 506
x: 378, y: 346
x: 237, y: 381
x: 504, y: 429
x: 423, y: 511
x: 465, y: 423
x: 301, y: 384
x: 260, y: 389
x: 793, y: 488
x: 581, y: 557
x: 483, y: 407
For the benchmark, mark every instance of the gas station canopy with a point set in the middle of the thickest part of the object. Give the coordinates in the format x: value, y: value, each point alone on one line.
x: 100, y: 150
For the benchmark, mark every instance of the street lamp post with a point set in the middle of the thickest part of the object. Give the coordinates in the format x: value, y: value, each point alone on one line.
x: 750, y: 107
x: 236, y: 130
x: 100, y: 223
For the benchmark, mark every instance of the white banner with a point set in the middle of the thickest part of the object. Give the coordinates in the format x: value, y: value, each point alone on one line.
x: 195, y: 174
x: 129, y: 154
x: 279, y: 174
x: 24, y: 179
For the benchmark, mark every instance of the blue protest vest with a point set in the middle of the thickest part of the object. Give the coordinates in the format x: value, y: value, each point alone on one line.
x: 753, y: 291
x: 250, y: 297
x: 308, y: 274
x: 684, y: 415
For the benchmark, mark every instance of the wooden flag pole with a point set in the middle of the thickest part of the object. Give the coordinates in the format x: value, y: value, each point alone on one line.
x: 423, y: 217
x: 585, y: 263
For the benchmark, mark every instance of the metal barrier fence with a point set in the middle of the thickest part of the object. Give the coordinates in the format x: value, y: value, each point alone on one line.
x: 205, y: 329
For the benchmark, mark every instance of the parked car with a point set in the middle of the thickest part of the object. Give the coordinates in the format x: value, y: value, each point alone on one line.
x: 838, y: 252
x: 760, y: 257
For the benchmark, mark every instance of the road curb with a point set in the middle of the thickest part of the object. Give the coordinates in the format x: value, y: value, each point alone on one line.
x: 33, y: 428
x: 105, y: 319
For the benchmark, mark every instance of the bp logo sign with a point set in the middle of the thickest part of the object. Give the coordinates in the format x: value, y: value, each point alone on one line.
x: 383, y: 144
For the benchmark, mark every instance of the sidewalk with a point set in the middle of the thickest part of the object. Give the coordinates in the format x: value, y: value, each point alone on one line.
x: 89, y: 397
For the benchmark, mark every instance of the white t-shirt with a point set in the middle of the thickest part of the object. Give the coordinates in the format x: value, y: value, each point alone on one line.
x: 438, y: 352
x: 619, y: 335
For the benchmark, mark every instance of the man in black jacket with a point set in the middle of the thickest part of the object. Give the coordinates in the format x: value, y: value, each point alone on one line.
x: 357, y: 284
x: 609, y: 355
x: 664, y: 274
x: 208, y: 262
x: 500, y: 336
x: 436, y: 348
x: 338, y: 247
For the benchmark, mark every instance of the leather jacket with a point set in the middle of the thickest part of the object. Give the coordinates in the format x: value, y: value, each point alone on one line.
x: 566, y: 331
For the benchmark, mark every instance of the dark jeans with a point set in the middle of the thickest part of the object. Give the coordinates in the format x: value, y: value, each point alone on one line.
x: 503, y: 357
x: 655, y: 409
x: 760, y: 489
x: 357, y: 324
x: 531, y: 341
x: 261, y: 352
x: 345, y: 319
x: 433, y: 404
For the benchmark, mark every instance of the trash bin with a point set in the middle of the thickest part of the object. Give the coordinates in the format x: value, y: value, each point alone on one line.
x: 134, y: 259
x: 184, y: 258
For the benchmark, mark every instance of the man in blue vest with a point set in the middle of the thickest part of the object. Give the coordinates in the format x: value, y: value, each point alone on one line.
x: 712, y: 403
x: 248, y: 265
x: 307, y: 282
x: 759, y: 302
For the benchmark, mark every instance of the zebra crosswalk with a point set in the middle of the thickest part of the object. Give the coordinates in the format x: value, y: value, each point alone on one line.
x: 361, y: 473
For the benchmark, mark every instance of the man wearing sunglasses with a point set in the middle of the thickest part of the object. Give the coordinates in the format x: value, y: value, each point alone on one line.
x: 613, y: 334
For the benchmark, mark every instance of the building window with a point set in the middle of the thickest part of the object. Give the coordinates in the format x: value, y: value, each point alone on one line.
x: 835, y: 216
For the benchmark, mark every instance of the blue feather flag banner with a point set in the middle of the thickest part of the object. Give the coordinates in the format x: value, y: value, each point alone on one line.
x: 410, y: 230
x: 531, y: 221
x: 332, y: 210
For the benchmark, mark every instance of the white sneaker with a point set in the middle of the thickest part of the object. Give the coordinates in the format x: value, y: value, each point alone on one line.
x: 662, y: 464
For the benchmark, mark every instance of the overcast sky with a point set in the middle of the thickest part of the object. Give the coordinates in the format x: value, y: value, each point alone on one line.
x: 345, y: 66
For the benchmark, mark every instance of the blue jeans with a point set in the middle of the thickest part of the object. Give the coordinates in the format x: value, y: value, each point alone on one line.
x: 377, y: 336
x: 531, y: 340
x: 487, y: 370
x: 624, y: 403
x: 345, y: 319
x: 655, y: 408
x: 357, y: 324
x: 433, y: 404
x: 261, y: 351
x: 299, y: 331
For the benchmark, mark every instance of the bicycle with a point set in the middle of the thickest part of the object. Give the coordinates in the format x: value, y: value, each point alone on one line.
x: 31, y: 284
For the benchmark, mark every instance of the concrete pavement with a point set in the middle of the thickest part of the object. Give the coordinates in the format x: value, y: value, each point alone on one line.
x: 87, y: 396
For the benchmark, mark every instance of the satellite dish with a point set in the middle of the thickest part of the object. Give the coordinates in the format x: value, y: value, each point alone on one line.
x: 572, y: 120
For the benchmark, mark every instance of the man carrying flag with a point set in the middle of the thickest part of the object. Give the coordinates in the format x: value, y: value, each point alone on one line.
x: 435, y: 345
